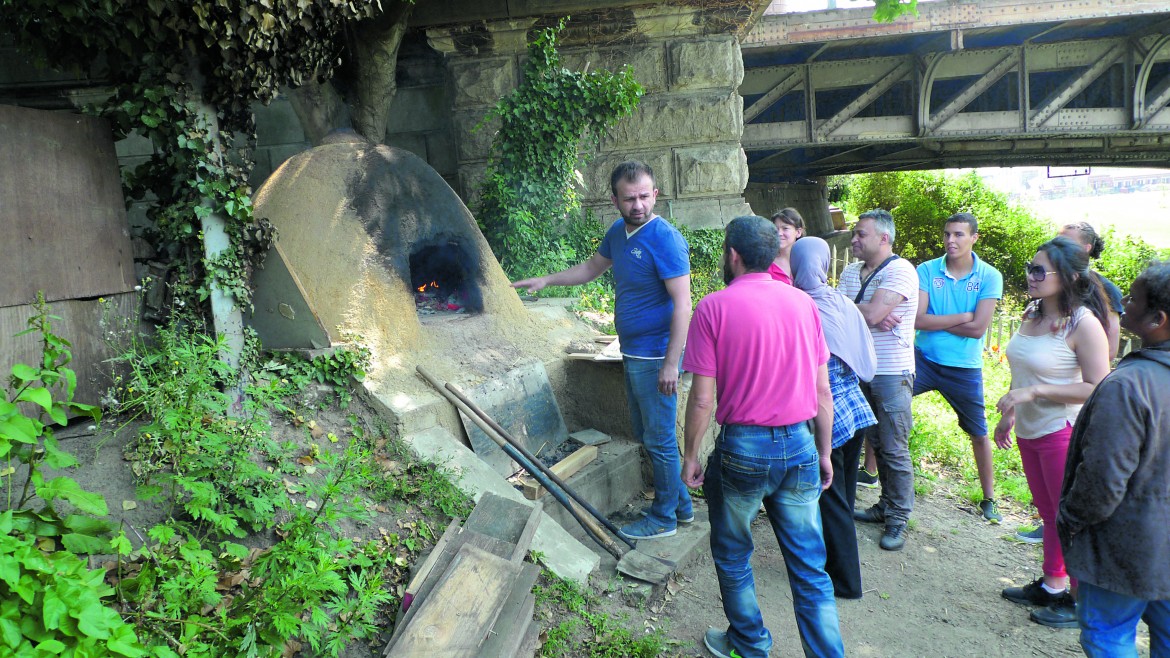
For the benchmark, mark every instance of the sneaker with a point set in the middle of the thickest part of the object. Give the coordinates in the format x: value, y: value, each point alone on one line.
x: 646, y: 529
x: 680, y: 519
x: 1032, y: 594
x: 872, y: 514
x: 719, y: 644
x: 1061, y: 614
x: 866, y: 479
x: 894, y: 538
x: 1034, y: 536
x: 990, y: 511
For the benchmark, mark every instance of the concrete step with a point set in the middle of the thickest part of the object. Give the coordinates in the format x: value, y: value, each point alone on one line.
x: 607, y: 483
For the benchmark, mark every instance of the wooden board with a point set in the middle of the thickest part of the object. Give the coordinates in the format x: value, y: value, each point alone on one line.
x: 62, y: 213
x: 456, y: 616
x: 522, y: 402
x: 564, y: 469
x: 80, y: 323
x: 511, y: 628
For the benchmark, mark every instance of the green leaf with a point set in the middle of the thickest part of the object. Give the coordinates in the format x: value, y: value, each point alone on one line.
x: 84, y: 544
x: 25, y: 372
x: 55, y: 457
x: 20, y: 429
x: 10, y: 632
x: 52, y: 610
x: 67, y: 489
x: 124, y: 642
x: 38, y: 396
x: 9, y: 570
x: 95, y: 620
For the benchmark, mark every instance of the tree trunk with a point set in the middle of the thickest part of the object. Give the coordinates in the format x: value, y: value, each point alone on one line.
x: 320, y: 109
x: 375, y: 50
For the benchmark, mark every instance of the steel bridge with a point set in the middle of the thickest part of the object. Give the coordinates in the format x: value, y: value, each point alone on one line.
x: 968, y: 83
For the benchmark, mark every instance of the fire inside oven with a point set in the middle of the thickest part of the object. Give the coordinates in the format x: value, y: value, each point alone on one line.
x: 441, y: 275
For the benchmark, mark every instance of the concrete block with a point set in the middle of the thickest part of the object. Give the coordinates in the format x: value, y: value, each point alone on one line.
x: 475, y: 141
x: 483, y: 81
x: 713, y: 212
x: 647, y: 60
x: 470, y: 178
x: 277, y: 123
x: 419, y: 109
x: 441, y: 151
x: 591, y: 437
x: 678, y: 120
x: 563, y: 554
x: 596, y: 175
x: 713, y: 63
x: 416, y: 143
x: 607, y: 483
x: 707, y: 170
x: 133, y: 144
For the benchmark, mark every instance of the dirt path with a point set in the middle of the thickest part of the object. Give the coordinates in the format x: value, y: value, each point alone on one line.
x: 940, y: 596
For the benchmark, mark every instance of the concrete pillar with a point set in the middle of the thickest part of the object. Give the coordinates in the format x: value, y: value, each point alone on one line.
x: 811, y: 200
x: 687, y: 126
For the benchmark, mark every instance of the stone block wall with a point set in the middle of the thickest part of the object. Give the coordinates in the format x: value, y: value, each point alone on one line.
x: 687, y: 127
x: 811, y: 200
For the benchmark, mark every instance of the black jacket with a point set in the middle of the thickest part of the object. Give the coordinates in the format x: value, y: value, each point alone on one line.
x: 1114, y: 519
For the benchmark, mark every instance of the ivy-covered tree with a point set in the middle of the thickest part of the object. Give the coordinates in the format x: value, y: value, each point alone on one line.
x: 185, y: 75
x: 528, y: 196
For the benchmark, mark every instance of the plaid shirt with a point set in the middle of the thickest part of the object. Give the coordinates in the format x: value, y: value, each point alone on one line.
x: 850, y: 410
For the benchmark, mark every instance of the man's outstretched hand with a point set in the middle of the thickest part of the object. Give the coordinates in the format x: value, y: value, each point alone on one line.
x: 531, y: 285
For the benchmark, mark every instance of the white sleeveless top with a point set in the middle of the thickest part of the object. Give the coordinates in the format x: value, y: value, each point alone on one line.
x: 1045, y: 359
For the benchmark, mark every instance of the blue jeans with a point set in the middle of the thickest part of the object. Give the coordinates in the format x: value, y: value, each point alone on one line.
x: 1109, y: 623
x: 653, y: 418
x: 780, y: 467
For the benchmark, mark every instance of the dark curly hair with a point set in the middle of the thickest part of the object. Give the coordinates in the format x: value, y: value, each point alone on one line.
x: 1087, y: 236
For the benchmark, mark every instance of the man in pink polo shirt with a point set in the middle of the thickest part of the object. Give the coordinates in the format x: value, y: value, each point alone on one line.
x: 757, y: 348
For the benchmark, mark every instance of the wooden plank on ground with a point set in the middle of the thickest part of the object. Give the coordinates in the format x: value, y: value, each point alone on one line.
x: 525, y: 540
x: 442, y: 562
x: 499, y: 517
x: 511, y: 627
x: 456, y: 616
x: 564, y: 469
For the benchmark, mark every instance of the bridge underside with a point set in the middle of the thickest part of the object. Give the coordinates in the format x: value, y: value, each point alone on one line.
x: 955, y: 90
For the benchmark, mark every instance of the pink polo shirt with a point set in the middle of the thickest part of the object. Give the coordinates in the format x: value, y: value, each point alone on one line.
x: 762, y: 342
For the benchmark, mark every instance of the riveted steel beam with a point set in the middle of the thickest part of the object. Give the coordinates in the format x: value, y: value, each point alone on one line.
x: 894, y: 76
x: 1075, y: 85
x: 1009, y: 61
x: 794, y: 78
x: 1143, y: 106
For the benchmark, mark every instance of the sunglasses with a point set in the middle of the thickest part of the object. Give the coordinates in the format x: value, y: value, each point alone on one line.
x: 1037, y: 273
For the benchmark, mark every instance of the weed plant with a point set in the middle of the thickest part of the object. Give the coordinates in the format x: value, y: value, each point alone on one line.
x: 585, y: 632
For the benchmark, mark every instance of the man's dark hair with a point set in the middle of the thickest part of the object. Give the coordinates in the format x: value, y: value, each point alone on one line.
x: 964, y: 218
x: 1087, y: 236
x: 882, y: 220
x: 629, y: 171
x: 1157, y: 280
x: 755, y: 239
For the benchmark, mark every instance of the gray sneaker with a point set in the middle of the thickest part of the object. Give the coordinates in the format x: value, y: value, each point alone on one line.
x: 990, y: 511
x: 871, y: 514
x: 1033, y: 536
x: 894, y: 538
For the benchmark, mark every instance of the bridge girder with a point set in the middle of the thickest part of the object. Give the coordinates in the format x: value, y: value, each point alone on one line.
x: 1100, y: 98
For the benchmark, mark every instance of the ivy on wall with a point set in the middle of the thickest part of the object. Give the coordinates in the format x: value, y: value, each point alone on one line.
x: 529, y: 206
x: 184, y: 74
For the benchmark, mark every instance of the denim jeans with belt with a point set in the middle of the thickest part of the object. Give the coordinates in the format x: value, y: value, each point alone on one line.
x: 778, y: 466
x: 654, y: 420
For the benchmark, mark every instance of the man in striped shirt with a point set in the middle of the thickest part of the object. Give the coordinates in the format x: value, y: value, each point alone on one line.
x: 885, y: 289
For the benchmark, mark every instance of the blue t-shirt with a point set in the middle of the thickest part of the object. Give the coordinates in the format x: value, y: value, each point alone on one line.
x: 948, y: 295
x: 643, y: 309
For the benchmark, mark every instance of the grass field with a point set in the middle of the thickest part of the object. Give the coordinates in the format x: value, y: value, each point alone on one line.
x: 1143, y: 214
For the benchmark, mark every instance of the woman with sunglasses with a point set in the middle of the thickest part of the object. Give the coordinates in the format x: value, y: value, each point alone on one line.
x: 791, y: 226
x: 1057, y: 356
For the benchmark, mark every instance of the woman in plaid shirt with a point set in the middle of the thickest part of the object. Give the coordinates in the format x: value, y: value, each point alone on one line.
x: 852, y: 359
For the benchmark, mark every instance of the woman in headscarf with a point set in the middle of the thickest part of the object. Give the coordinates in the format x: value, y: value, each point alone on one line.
x: 851, y: 360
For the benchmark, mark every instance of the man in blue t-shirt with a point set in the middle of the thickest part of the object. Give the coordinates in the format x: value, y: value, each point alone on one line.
x: 652, y: 275
x: 957, y: 294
